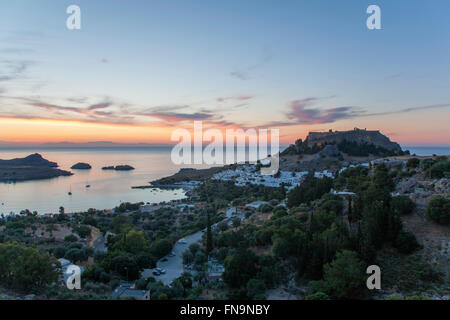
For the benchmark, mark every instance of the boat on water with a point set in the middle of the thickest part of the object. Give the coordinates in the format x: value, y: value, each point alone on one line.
x: 88, y: 186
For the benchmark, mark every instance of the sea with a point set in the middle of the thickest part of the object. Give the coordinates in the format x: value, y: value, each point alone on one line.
x: 108, y: 188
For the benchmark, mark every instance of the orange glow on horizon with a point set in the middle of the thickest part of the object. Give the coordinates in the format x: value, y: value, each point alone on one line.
x: 22, y: 130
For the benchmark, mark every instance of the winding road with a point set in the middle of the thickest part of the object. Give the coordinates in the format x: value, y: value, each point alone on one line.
x: 174, y: 265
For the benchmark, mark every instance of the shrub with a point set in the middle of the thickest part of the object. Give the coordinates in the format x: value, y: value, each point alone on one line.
x: 440, y: 169
x: 255, y: 287
x: 402, y: 205
x: 318, y: 296
x: 438, y: 210
x: 265, y: 208
x: 406, y: 242
x: 161, y: 247
x: 344, y: 277
x: 59, y: 252
x: 70, y: 238
x: 83, y: 231
x: 412, y: 163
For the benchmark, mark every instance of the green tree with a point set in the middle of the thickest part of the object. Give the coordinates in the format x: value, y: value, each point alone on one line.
x: 83, y: 231
x: 240, y: 268
x: 382, y: 178
x: 412, y: 163
x: 188, y: 257
x: 311, y: 189
x: 71, y: 238
x: 255, y: 288
x: 406, y: 242
x: 161, y: 247
x: 438, y: 210
x: 440, y: 169
x: 344, y: 277
x: 402, y: 205
x: 132, y: 241
x: 209, y: 242
x: 317, y: 296
x: 25, y: 268
x: 125, y: 265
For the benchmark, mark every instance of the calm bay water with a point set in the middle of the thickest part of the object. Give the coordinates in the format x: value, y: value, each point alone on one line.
x: 108, y: 188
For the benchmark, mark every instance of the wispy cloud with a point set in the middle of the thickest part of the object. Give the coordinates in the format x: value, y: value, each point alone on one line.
x: 410, y: 109
x: 13, y: 69
x: 301, y: 112
x: 235, y: 98
x: 102, y: 105
x: 247, y: 72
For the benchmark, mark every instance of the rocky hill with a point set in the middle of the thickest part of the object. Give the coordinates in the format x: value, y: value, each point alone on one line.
x: 325, y: 150
x: 32, y: 167
x: 360, y: 136
x: 33, y: 160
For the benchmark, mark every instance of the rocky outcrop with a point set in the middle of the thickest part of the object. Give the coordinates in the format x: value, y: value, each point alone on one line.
x: 330, y: 151
x: 123, y: 168
x: 119, y: 168
x: 34, y: 160
x: 81, y: 166
x: 360, y: 136
x: 32, y: 167
x: 442, y: 187
x: 406, y: 186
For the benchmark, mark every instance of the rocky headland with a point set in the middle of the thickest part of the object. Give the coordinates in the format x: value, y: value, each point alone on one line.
x: 32, y: 167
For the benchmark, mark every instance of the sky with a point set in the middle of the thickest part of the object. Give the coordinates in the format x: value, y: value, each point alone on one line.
x: 137, y: 70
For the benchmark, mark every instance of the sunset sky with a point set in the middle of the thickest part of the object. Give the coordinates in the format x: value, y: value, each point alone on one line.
x: 137, y: 70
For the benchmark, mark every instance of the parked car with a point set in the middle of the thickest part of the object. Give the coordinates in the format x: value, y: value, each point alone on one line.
x: 172, y: 254
x: 156, y: 273
x: 163, y: 271
x: 182, y: 241
x: 164, y: 260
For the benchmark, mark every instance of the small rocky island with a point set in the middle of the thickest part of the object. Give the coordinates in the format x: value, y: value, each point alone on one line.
x: 32, y: 167
x: 81, y: 166
x: 119, y: 168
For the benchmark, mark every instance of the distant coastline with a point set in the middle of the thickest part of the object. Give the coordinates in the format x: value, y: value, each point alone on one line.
x: 428, y: 150
x: 420, y: 150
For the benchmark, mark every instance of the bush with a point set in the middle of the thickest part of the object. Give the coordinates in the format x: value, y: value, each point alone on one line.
x: 344, y: 277
x: 83, y: 231
x: 160, y: 248
x: 440, y: 169
x: 318, y: 296
x: 25, y: 268
x: 402, y: 205
x: 255, y: 287
x: 412, y: 163
x: 70, y: 238
x: 438, y: 210
x: 75, y: 255
x: 265, y: 208
x: 311, y: 189
x: 59, y: 252
x: 406, y: 242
